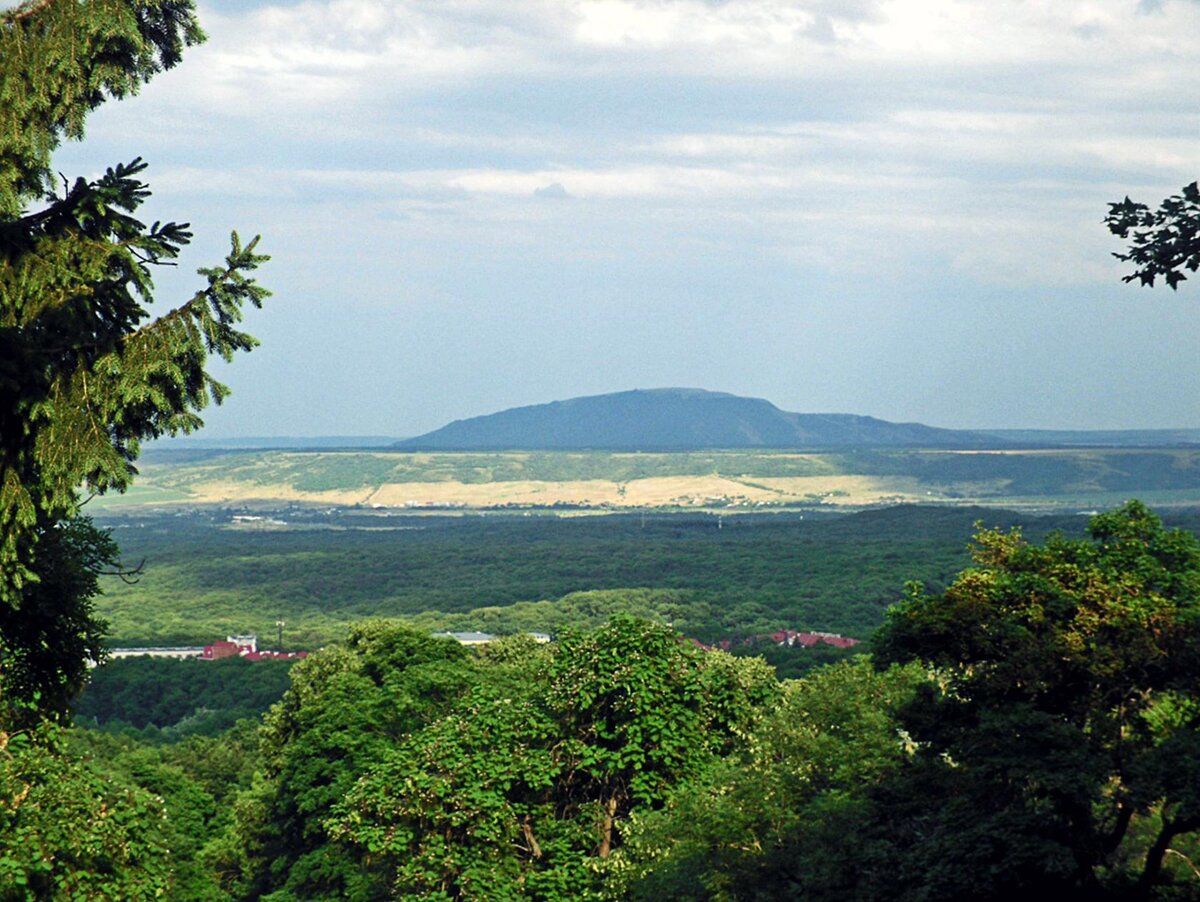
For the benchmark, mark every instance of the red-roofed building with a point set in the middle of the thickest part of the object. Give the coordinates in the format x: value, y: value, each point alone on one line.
x: 231, y: 647
x: 220, y: 649
x: 839, y: 641
x: 274, y: 655
x: 785, y: 637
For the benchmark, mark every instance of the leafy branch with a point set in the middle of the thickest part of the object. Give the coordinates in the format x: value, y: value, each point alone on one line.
x: 1163, y: 242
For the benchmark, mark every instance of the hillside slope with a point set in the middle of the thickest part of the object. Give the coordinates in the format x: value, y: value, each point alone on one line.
x: 678, y: 419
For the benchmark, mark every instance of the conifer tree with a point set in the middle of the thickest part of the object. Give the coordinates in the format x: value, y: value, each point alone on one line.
x: 86, y: 370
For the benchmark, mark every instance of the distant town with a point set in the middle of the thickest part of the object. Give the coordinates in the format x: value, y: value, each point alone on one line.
x: 246, y: 646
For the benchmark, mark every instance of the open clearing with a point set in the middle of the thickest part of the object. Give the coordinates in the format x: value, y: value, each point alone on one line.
x: 658, y: 491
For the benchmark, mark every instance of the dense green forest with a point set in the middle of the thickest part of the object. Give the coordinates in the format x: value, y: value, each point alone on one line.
x: 160, y: 700
x: 163, y: 699
x: 621, y: 762
x: 712, y: 577
x: 733, y: 580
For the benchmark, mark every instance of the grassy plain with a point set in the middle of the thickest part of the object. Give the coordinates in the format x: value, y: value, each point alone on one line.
x: 1042, y: 478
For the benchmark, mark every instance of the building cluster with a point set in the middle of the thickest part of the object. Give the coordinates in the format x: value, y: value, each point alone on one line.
x: 790, y: 638
x: 808, y: 640
x: 245, y: 646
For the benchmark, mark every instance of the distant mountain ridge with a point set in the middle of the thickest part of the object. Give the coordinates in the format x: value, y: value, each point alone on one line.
x: 678, y: 419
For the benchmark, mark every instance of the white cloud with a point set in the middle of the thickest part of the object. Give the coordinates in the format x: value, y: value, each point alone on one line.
x: 312, y: 54
x: 626, y: 23
x: 551, y: 191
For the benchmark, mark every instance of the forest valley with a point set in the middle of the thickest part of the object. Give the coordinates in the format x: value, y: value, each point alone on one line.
x: 1034, y: 723
x: 1032, y: 726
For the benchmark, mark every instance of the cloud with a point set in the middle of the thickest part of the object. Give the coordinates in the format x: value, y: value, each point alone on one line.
x: 627, y: 23
x: 785, y: 152
x: 554, y: 190
x: 312, y: 54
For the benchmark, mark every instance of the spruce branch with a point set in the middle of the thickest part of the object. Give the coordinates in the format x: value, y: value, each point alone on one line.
x: 25, y: 11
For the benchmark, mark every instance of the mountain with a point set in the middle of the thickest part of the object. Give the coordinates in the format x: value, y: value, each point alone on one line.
x: 670, y: 419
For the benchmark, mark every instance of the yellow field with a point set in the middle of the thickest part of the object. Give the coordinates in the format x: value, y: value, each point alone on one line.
x: 661, y: 491
x: 597, y: 480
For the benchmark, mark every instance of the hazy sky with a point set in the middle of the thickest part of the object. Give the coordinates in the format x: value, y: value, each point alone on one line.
x: 886, y: 208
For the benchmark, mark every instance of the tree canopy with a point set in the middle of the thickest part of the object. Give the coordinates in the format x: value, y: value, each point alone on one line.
x: 1032, y: 728
x: 1057, y: 743
x: 399, y: 765
x: 86, y: 371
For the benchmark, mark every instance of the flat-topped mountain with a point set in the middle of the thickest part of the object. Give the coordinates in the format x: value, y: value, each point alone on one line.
x: 680, y: 419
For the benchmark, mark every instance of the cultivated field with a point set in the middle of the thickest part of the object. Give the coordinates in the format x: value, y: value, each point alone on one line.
x: 747, y: 480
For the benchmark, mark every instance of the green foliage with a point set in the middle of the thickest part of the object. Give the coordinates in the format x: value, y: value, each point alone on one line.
x: 70, y: 831
x: 1162, y: 242
x: 195, y: 781
x: 794, y: 662
x: 85, y: 372
x: 1086, y: 652
x: 61, y: 61
x: 345, y: 708
x: 1032, y: 726
x: 179, y: 697
x: 786, y: 816
x: 1042, y: 737
x: 47, y: 640
x: 465, y: 807
x: 401, y: 766
x: 578, y: 610
x: 630, y: 699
